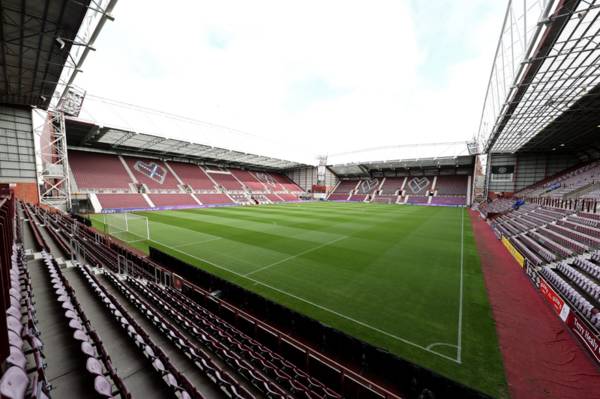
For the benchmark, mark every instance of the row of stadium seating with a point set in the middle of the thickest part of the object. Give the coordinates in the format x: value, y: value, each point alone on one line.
x: 436, y: 190
x: 575, y: 281
x: 169, y: 376
x: 547, y: 235
x: 133, y: 182
x: 21, y: 346
x: 552, y: 225
x: 581, y: 181
x: 245, y: 368
x: 25, y: 375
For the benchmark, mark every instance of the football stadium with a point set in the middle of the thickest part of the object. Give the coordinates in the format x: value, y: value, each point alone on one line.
x: 370, y: 244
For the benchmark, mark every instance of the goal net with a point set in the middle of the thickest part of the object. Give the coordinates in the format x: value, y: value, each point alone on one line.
x: 384, y: 200
x: 127, y: 227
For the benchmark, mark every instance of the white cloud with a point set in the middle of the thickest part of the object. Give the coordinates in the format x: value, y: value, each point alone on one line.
x: 237, y: 63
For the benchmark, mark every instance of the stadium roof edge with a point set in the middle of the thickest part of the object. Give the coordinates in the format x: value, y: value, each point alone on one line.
x: 544, y: 85
x: 353, y: 169
x: 87, y: 135
x: 35, y: 47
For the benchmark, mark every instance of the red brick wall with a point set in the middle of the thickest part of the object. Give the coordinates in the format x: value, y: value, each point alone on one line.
x: 27, y: 192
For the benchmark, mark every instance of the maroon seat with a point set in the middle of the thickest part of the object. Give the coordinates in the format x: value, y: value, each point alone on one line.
x: 14, y: 383
x: 94, y: 366
x: 75, y: 324
x: 92, y: 170
x: 118, y: 201
x: 14, y: 325
x: 248, y: 179
x: 193, y: 176
x: 158, y: 365
x: 172, y: 200
x: 103, y: 387
x: 452, y: 185
x: 227, y: 180
x: 14, y: 312
x: 16, y: 358
x: 88, y: 349
x: 80, y: 335
x: 14, y: 339
x: 69, y: 314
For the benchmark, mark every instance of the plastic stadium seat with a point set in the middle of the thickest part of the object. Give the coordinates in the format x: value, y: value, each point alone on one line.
x: 14, y: 383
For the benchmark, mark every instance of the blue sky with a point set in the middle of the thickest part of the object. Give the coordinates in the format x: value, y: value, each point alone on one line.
x: 308, y: 77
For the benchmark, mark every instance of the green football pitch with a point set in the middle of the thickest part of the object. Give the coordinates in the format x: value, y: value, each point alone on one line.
x: 403, y: 278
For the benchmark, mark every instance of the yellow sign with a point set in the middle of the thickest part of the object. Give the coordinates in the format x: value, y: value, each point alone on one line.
x: 517, y: 255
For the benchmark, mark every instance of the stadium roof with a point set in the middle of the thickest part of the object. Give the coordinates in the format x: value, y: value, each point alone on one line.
x: 408, y: 156
x: 544, y: 87
x: 35, y: 40
x: 82, y: 134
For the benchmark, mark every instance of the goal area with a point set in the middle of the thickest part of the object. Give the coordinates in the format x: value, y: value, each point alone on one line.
x: 384, y: 200
x: 127, y: 227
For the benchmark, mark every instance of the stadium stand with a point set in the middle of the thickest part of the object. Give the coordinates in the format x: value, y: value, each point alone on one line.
x: 557, y: 232
x: 248, y: 180
x: 152, y: 173
x: 358, y: 197
x: 417, y: 199
x: 564, y: 183
x: 418, y: 186
x: 451, y: 185
x: 338, y: 197
x: 193, y: 176
x: 98, y: 172
x: 214, y: 199
x: 21, y: 349
x: 172, y: 200
x: 122, y: 201
x: 345, y: 186
x: 169, y: 184
x: 392, y: 185
x: 276, y: 198
x: 288, y: 197
x: 367, y: 186
x: 498, y: 205
x: 226, y: 180
x: 449, y: 200
x: 285, y: 183
x: 261, y: 198
x: 385, y: 199
x: 241, y: 198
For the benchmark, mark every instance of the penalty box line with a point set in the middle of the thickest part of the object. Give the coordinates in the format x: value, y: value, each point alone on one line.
x: 341, y: 315
x: 334, y: 312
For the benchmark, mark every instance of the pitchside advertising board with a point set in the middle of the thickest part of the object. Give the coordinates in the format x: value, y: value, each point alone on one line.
x: 532, y: 274
x: 513, y: 251
x: 585, y: 335
x: 555, y: 300
x: 581, y: 330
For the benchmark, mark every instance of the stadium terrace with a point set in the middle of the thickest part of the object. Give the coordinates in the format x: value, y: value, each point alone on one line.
x: 136, y: 262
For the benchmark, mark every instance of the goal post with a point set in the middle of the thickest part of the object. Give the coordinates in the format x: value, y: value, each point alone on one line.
x: 127, y: 227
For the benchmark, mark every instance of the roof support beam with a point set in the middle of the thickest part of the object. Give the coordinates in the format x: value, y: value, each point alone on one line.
x: 551, y: 34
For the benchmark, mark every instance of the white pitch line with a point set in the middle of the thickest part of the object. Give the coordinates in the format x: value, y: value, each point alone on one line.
x: 343, y: 316
x: 441, y: 344
x: 295, y: 256
x: 460, y: 308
